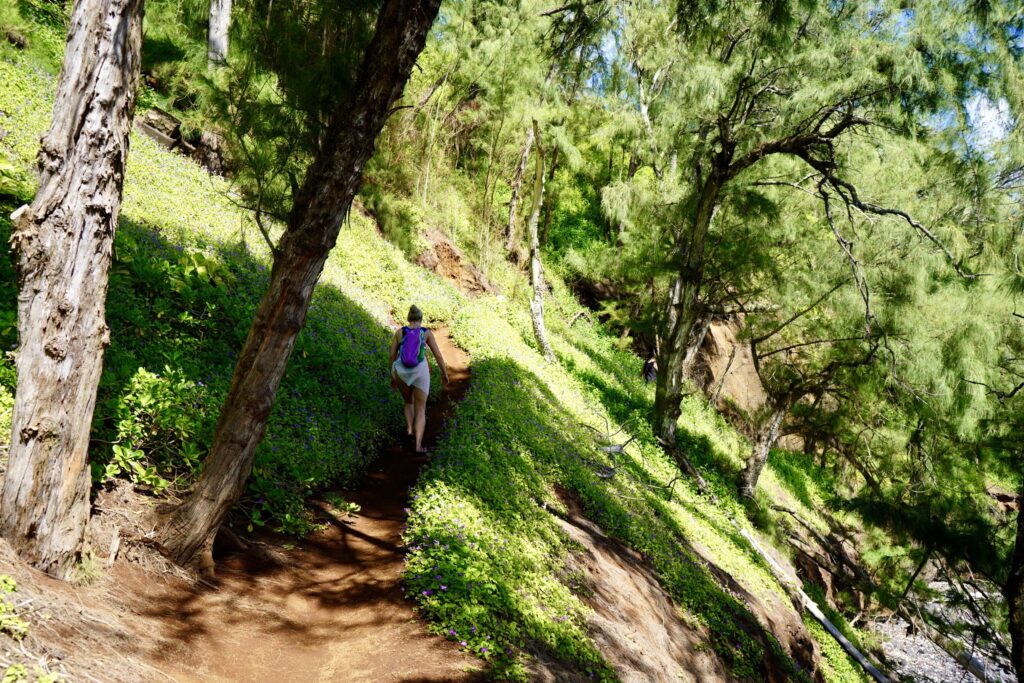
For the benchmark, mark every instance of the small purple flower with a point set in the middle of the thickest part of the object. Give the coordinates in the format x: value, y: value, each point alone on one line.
x: 472, y: 629
x: 483, y: 650
x: 452, y: 632
x: 462, y: 643
x: 443, y: 587
x: 428, y: 592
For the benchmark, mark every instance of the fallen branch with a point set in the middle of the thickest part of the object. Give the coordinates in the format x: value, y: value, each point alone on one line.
x: 798, y: 595
x: 581, y: 314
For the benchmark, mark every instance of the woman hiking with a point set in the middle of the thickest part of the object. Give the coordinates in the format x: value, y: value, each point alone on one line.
x: 410, y: 372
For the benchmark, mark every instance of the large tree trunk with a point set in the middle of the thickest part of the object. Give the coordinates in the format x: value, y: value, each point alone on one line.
x: 536, y: 273
x: 217, y: 37
x: 1014, y: 592
x: 767, y: 435
x: 322, y: 202
x: 682, y: 307
x: 64, y: 243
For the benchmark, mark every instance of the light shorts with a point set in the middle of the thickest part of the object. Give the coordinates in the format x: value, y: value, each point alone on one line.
x: 418, y: 376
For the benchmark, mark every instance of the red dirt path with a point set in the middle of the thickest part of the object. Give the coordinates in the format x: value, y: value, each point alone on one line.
x: 329, y: 607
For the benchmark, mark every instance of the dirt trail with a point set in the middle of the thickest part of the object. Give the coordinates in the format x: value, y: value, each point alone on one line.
x: 328, y: 608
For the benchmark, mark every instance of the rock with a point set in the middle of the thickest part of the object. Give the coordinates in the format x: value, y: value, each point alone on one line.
x: 211, y: 153
x: 445, y: 259
x: 16, y: 38
x: 160, y: 126
x: 739, y: 379
x: 154, y: 134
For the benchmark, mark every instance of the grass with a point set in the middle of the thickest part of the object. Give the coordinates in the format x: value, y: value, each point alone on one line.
x: 486, y: 563
x: 486, y: 553
x: 189, y: 269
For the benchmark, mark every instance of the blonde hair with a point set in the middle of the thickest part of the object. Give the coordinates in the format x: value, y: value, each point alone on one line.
x: 415, y: 314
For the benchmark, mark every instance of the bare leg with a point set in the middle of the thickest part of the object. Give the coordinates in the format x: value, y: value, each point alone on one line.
x: 420, y: 398
x: 406, y: 392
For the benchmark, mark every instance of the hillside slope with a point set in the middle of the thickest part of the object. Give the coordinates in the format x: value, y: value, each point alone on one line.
x: 491, y: 562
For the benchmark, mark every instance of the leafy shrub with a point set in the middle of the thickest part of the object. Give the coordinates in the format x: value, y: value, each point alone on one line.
x: 157, y: 419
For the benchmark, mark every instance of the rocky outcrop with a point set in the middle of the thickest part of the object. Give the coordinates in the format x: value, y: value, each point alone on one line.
x: 445, y: 259
x: 724, y: 367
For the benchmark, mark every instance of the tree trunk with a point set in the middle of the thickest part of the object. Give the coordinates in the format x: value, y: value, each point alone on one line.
x: 913, y: 578
x: 682, y: 307
x: 217, y: 37
x: 517, y: 186
x: 64, y: 242
x: 693, y: 348
x: 1014, y: 592
x: 766, y: 437
x: 320, y: 205
x: 536, y: 274
x: 547, y: 207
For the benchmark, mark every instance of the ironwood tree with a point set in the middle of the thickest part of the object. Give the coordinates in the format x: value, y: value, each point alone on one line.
x: 63, y: 242
x: 319, y: 204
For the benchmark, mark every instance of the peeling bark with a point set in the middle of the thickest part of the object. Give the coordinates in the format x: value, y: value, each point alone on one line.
x: 517, y: 186
x: 64, y: 242
x: 767, y: 435
x: 536, y: 272
x: 187, y: 531
x: 218, y: 33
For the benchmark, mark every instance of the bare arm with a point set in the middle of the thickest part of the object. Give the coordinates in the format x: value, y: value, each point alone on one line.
x: 395, y: 338
x: 432, y: 343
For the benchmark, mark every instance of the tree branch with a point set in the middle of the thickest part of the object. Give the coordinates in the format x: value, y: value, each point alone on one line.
x: 795, y: 316
x: 811, y: 343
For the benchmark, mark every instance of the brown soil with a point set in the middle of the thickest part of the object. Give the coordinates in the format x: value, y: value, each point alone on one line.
x: 326, y: 608
x: 634, y: 623
x: 445, y: 259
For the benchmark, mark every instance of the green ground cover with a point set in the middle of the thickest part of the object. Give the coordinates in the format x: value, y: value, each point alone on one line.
x: 188, y: 271
x: 487, y: 560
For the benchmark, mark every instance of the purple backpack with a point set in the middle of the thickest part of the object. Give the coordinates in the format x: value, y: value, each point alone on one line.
x: 413, y: 351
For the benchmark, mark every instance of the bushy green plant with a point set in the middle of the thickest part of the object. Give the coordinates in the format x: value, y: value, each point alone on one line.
x: 399, y: 219
x: 157, y: 418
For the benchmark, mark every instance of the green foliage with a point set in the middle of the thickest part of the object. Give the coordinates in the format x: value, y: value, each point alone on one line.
x: 341, y: 506
x: 188, y: 272
x: 487, y: 559
x: 18, y: 673
x: 837, y: 666
x: 399, y: 219
x: 41, y: 24
x: 157, y: 419
x: 11, y: 623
